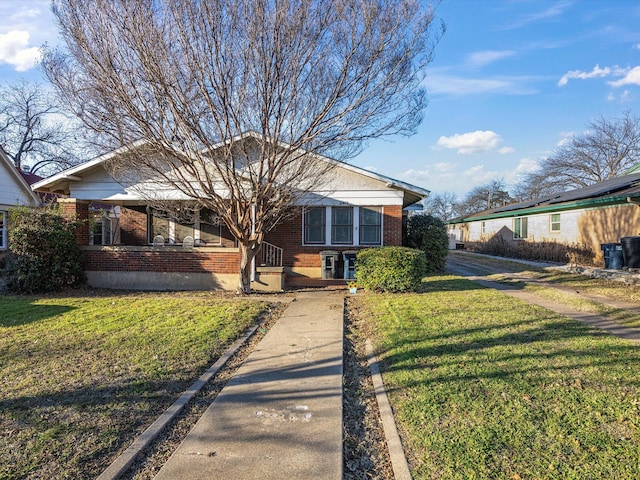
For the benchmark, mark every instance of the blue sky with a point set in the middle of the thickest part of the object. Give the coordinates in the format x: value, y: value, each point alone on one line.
x: 511, y: 80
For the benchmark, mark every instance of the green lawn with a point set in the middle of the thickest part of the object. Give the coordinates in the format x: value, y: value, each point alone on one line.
x: 486, y: 386
x: 81, y: 376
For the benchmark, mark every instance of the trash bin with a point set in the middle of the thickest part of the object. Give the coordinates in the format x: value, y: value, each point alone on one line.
x: 613, y: 255
x: 329, y: 262
x: 631, y: 251
x: 349, y: 257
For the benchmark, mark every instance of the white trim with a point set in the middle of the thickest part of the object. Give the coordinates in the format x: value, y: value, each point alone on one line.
x: 3, y: 231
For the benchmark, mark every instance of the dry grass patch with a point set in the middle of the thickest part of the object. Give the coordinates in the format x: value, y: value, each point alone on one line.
x: 81, y: 376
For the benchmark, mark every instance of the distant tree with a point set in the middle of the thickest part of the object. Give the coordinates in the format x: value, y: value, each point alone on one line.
x: 185, y: 76
x: 442, y: 205
x: 606, y: 150
x: 485, y: 197
x: 36, y: 132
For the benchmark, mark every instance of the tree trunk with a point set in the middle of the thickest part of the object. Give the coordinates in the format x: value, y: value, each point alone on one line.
x: 248, y: 253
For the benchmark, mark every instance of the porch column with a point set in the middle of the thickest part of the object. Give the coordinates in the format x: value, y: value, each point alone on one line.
x: 78, y: 210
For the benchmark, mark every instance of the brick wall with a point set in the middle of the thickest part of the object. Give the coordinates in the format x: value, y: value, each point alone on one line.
x: 162, y: 259
x: 77, y: 209
x: 393, y: 225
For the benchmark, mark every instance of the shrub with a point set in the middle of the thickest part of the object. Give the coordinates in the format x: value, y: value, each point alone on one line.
x: 43, y: 255
x: 543, y: 251
x: 429, y: 234
x: 390, y: 269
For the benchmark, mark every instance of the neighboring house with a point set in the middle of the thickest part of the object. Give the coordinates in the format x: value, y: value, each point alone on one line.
x: 351, y: 208
x: 600, y: 213
x: 14, y: 191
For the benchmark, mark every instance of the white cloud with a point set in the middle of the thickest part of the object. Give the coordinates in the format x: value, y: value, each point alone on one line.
x: 460, y: 180
x: 480, y: 141
x: 628, y: 76
x: 565, y: 138
x: 631, y: 77
x: 442, y: 83
x: 506, y: 150
x: 445, y: 167
x: 15, y: 50
x: 553, y: 11
x: 485, y: 57
x: 526, y: 165
x: 455, y: 180
x: 595, y: 73
x: 623, y: 97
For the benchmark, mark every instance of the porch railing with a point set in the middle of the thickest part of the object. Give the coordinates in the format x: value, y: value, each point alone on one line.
x: 271, y: 255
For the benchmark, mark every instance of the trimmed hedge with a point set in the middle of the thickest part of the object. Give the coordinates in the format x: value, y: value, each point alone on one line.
x: 429, y: 234
x: 390, y: 269
x: 44, y: 256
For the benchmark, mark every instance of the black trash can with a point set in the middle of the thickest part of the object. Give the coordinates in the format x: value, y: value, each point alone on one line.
x: 631, y: 251
x: 329, y: 262
x: 613, y: 258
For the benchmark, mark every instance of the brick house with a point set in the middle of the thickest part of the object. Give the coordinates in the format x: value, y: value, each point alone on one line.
x: 14, y: 191
x: 129, y: 245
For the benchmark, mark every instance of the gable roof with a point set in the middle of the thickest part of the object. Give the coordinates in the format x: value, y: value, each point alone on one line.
x: 17, y: 178
x: 608, y: 192
x: 59, y: 182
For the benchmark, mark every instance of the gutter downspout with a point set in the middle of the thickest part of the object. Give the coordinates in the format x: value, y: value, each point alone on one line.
x: 634, y: 201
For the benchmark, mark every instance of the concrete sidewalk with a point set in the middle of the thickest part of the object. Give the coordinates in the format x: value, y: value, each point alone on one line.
x: 280, y: 416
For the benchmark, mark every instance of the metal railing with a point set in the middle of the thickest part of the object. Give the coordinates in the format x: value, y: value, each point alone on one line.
x: 271, y: 255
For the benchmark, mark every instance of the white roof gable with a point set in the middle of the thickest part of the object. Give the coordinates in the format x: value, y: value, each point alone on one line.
x: 90, y: 181
x: 14, y: 189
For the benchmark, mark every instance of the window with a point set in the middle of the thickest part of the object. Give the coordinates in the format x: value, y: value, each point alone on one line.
x: 483, y: 228
x: 370, y: 226
x: 181, y: 230
x: 210, y: 228
x: 314, y: 225
x: 3, y: 230
x: 520, y: 227
x: 207, y: 231
x: 100, y: 231
x: 554, y: 222
x: 348, y: 226
x: 158, y: 225
x: 342, y: 225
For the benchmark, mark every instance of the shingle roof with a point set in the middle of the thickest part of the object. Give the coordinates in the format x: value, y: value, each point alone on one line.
x: 610, y: 189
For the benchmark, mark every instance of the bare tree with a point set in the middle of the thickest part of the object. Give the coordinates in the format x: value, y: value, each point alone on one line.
x: 534, y: 185
x: 606, y: 150
x: 442, y: 205
x: 485, y: 197
x: 35, y: 131
x: 304, y: 77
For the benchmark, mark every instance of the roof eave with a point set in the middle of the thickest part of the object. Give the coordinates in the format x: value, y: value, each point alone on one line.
x: 592, y: 202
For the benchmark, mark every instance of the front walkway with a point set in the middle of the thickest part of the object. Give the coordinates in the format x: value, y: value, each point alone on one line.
x: 280, y: 416
x: 592, y: 319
